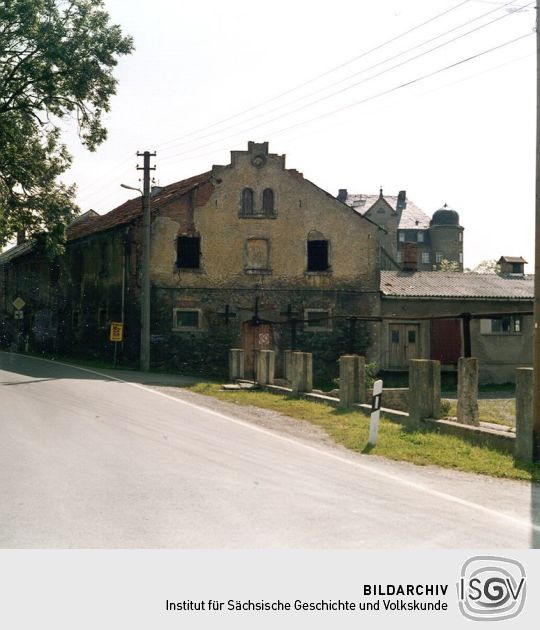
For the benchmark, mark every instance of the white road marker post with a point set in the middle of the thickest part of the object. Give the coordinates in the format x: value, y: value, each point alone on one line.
x: 375, y: 412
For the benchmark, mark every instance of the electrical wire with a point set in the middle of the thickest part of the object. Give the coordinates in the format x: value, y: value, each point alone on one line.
x: 379, y: 94
x: 343, y: 80
x: 319, y: 76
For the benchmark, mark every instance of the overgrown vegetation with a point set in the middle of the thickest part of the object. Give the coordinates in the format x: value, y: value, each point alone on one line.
x: 421, y: 446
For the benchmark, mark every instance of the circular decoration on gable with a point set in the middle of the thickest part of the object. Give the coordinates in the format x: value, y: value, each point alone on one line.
x: 258, y: 161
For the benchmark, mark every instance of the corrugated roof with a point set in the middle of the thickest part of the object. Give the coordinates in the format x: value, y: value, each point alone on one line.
x: 454, y: 284
x: 130, y: 210
x: 412, y: 217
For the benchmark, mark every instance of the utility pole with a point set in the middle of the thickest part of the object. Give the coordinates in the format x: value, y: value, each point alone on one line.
x: 536, y: 332
x: 145, y: 285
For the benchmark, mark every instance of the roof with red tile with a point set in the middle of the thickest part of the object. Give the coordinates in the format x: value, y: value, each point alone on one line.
x: 132, y: 209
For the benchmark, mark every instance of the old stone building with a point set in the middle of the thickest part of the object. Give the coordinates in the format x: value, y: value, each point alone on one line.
x: 249, y: 254
x: 423, y: 320
x: 413, y: 240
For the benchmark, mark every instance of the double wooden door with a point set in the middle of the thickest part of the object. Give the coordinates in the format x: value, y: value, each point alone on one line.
x: 403, y: 345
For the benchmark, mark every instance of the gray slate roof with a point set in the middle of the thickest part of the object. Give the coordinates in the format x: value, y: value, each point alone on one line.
x: 454, y: 284
x: 409, y: 216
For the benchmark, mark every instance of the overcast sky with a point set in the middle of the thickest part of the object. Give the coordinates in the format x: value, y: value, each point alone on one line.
x: 463, y: 135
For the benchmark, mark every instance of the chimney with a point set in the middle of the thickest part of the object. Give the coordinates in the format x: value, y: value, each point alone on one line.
x: 342, y: 195
x: 155, y: 190
x: 401, y: 200
x: 410, y: 257
x: 21, y: 236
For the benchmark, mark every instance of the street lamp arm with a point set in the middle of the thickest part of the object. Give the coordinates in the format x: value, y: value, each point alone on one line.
x: 131, y: 188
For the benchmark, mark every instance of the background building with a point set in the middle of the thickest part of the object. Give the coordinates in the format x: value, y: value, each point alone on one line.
x: 413, y: 239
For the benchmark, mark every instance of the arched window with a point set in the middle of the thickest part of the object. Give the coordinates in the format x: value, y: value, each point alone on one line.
x: 268, y: 201
x: 247, y: 201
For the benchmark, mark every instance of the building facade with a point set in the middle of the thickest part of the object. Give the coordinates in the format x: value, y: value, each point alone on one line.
x: 250, y: 254
x: 424, y: 315
x: 413, y: 240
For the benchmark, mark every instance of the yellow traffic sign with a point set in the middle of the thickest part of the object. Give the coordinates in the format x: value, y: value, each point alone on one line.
x: 117, y: 331
x: 18, y: 303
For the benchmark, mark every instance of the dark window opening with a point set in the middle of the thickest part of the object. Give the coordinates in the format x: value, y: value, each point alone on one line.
x: 268, y: 201
x: 188, y: 252
x: 412, y: 336
x: 247, y: 201
x: 517, y: 267
x: 395, y: 336
x: 317, y: 256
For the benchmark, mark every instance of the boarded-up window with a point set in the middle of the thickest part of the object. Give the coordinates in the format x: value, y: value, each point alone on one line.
x: 268, y: 201
x: 317, y: 256
x: 247, y: 202
x: 257, y: 254
x: 188, y: 252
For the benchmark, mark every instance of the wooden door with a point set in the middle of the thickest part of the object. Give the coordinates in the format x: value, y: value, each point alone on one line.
x: 403, y: 344
x: 446, y: 340
x: 255, y: 337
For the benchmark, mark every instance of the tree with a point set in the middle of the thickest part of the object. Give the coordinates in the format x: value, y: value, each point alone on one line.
x: 487, y: 266
x: 56, y: 62
x: 448, y: 265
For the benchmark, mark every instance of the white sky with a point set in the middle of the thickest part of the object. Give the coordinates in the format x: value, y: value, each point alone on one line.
x: 465, y: 136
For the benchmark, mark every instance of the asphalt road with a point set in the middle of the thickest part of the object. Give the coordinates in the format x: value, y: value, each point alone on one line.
x: 87, y: 461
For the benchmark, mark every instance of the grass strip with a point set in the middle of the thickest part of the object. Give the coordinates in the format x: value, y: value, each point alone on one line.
x: 422, y: 446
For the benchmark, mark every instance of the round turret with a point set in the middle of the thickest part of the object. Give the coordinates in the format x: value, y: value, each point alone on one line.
x: 445, y: 216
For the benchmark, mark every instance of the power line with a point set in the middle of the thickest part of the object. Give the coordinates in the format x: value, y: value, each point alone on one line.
x: 411, y: 82
x: 342, y: 90
x: 340, y: 81
x: 381, y: 94
x: 319, y: 76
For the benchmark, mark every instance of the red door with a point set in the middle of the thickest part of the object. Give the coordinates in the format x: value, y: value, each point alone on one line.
x: 446, y: 340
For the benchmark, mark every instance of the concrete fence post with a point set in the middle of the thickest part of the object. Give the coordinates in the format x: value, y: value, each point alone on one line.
x: 352, y: 380
x: 467, y: 405
x: 302, y: 372
x: 424, y: 389
x: 524, y: 415
x: 266, y: 361
x: 287, y: 365
x: 236, y: 364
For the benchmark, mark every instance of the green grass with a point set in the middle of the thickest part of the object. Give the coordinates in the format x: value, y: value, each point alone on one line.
x: 420, y: 446
x: 499, y: 411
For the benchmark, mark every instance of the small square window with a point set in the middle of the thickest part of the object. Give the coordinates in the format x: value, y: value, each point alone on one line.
x: 507, y: 324
x: 184, y: 319
x: 401, y: 237
x: 438, y: 257
x: 316, y: 319
x: 425, y: 258
x: 420, y: 237
x: 395, y: 336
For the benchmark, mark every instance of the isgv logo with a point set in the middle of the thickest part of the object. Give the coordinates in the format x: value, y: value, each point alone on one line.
x: 491, y: 588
